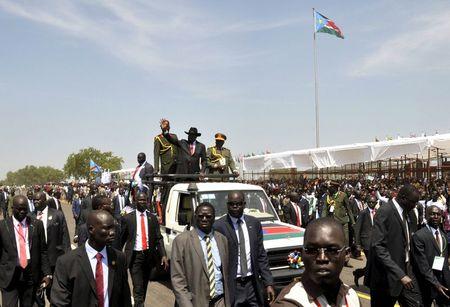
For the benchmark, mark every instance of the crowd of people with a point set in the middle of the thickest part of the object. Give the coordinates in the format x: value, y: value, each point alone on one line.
x: 400, y: 225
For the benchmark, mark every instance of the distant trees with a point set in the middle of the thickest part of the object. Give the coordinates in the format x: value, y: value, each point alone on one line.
x: 31, y: 174
x: 77, y: 164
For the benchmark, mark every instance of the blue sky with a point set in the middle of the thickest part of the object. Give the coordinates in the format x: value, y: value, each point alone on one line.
x: 75, y: 74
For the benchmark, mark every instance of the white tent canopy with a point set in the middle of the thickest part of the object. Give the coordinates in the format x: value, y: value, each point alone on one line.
x: 337, y: 156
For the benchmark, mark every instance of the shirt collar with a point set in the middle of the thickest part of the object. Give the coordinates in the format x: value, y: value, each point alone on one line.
x: 91, y: 252
x: 16, y: 222
x: 202, y: 235
x: 433, y: 230
x: 398, y: 207
x: 234, y: 220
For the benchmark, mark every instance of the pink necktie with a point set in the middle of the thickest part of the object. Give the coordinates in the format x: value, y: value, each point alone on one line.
x: 23, y: 247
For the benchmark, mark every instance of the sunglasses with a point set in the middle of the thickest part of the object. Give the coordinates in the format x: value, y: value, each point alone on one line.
x: 328, y: 251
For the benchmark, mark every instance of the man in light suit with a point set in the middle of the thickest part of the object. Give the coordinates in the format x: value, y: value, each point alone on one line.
x: 249, y: 274
x: 191, y: 153
x: 428, y: 243
x: 144, y: 246
x: 99, y: 271
x: 200, y: 248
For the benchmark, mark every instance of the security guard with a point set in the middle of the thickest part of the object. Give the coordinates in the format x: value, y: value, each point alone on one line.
x: 219, y: 159
x: 164, y: 151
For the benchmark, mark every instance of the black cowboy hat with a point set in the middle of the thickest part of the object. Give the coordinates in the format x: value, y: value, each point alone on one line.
x: 194, y: 131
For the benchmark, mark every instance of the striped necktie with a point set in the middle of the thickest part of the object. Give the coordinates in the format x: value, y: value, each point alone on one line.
x: 210, y: 266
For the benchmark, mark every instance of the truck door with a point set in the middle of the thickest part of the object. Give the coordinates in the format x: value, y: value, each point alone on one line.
x: 183, y: 219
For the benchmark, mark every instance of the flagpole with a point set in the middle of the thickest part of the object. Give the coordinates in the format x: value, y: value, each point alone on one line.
x: 316, y: 86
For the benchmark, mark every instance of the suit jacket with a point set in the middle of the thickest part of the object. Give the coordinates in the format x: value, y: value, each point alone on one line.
x: 116, y: 204
x: 8, y: 251
x: 304, y: 207
x: 387, y: 256
x: 363, y: 229
x: 189, y: 272
x: 424, y: 249
x: 188, y: 163
x: 258, y: 255
x: 289, y: 213
x: 3, y: 200
x: 128, y: 236
x: 74, y: 283
x: 51, y: 203
x: 76, y: 207
x: 58, y: 241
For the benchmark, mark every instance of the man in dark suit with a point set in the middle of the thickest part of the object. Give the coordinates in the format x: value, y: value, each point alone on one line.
x: 120, y: 201
x: 56, y: 233
x: 143, y: 171
x: 143, y: 246
x: 389, y: 272
x: 95, y: 273
x: 191, y: 153
x: 54, y: 200
x: 363, y: 233
x: 249, y: 274
x: 292, y: 212
x: 30, y: 201
x: 429, y: 246
x: 23, y: 256
x: 101, y: 202
x: 304, y: 210
x: 200, y: 248
x: 4, y: 199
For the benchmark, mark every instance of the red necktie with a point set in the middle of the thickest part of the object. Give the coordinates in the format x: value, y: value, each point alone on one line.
x: 99, y: 281
x: 143, y: 232
x: 135, y: 171
x: 192, y: 149
x: 23, y: 261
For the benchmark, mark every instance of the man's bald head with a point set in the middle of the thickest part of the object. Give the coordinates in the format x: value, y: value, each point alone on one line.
x: 101, y: 229
x: 20, y: 207
x: 97, y: 216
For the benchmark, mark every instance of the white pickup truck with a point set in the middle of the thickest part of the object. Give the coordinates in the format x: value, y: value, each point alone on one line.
x: 280, y: 239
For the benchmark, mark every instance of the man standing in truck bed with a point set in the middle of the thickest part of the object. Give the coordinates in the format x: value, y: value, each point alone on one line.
x: 219, y: 158
x: 165, y: 153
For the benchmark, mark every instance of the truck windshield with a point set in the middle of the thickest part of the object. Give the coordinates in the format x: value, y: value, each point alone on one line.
x: 257, y: 204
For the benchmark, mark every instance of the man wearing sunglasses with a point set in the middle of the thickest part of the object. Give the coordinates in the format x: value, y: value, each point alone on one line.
x: 249, y: 274
x: 323, y: 255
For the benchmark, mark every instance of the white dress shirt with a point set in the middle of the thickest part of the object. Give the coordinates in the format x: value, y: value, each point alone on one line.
x: 138, y: 243
x: 247, y: 245
x: 433, y: 231
x: 44, y: 219
x: 400, y: 211
x: 121, y: 202
x: 56, y: 203
x: 92, y: 253
x: 17, y: 236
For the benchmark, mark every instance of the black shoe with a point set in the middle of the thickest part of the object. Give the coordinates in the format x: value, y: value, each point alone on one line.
x: 355, y: 279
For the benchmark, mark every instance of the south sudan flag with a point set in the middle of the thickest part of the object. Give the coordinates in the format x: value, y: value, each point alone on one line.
x: 323, y: 24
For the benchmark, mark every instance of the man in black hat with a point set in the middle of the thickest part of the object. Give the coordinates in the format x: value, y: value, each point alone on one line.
x: 191, y: 153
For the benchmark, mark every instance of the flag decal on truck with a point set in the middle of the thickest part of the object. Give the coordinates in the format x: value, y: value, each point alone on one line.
x: 276, y: 231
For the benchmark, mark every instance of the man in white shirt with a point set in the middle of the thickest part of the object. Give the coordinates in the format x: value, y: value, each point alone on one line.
x: 93, y: 265
x: 144, y: 246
